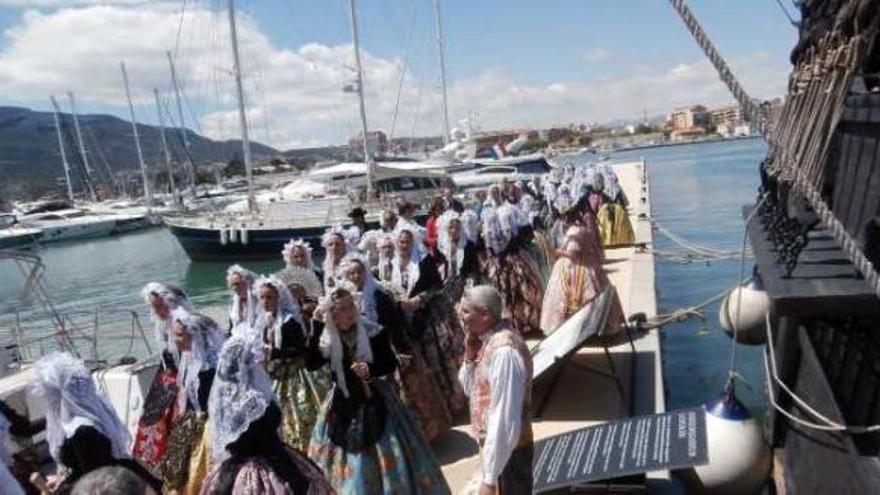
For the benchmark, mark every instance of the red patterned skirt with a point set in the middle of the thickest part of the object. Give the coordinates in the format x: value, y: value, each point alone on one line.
x: 154, y: 426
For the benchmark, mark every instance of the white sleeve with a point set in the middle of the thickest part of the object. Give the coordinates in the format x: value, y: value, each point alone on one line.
x: 466, y: 377
x: 507, y: 378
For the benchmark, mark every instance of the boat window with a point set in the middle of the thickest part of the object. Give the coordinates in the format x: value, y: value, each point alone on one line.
x: 496, y: 170
x: 533, y: 167
x: 348, y: 176
x: 405, y: 184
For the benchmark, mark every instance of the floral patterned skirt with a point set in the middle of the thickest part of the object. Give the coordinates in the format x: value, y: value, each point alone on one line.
x: 423, y: 395
x: 517, y: 278
x: 300, y: 394
x: 400, y: 462
x: 154, y: 425
x: 256, y: 477
x: 429, y: 386
x: 187, y: 456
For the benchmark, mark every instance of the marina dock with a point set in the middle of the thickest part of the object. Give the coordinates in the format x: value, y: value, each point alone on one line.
x: 579, y: 396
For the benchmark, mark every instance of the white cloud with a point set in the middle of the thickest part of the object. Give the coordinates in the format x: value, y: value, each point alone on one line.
x: 295, y: 96
x: 503, y: 102
x: 67, y: 3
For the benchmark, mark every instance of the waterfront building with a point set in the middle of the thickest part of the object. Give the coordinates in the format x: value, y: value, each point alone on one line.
x: 690, y: 117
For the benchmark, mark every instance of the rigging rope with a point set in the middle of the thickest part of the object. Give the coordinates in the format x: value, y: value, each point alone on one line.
x: 752, y: 111
x: 787, y: 15
x: 771, y: 370
x: 691, y: 250
x: 802, y: 143
x: 682, y: 314
x: 403, y: 69
x: 802, y: 148
x: 742, y: 266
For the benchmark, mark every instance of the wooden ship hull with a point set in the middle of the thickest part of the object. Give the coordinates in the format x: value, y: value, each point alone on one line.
x: 816, y: 236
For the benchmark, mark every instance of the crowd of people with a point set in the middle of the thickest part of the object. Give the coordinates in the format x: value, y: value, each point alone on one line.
x: 334, y: 377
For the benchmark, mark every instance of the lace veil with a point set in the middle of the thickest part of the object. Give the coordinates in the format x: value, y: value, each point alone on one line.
x: 72, y: 401
x: 241, y: 392
x: 249, y: 278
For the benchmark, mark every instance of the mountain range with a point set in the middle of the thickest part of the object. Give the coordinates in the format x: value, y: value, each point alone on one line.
x: 29, y: 151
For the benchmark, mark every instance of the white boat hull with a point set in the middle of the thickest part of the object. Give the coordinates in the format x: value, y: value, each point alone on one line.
x: 73, y: 231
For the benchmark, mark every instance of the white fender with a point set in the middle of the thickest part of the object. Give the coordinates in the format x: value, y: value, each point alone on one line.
x: 739, y: 457
x: 243, y: 235
x: 224, y: 237
x: 753, y: 307
x: 233, y: 234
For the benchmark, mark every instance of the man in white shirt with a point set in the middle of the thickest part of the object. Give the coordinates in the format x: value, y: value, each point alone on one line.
x: 497, y: 376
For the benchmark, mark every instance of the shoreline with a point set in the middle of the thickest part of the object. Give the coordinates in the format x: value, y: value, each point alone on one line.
x: 686, y: 143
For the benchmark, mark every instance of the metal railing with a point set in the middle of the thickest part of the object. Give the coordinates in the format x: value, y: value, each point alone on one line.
x: 71, y: 331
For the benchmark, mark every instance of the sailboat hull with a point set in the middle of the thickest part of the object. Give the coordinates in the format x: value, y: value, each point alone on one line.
x: 207, y: 244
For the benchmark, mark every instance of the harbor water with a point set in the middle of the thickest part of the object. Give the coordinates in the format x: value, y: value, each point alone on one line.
x: 697, y: 192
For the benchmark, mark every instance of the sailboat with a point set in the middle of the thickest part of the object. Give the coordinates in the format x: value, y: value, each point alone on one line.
x: 261, y: 230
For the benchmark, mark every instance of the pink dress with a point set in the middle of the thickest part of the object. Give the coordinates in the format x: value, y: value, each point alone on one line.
x: 576, y: 280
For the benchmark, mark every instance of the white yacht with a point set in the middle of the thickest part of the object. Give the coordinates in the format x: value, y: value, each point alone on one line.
x: 13, y: 235
x: 490, y: 171
x: 63, y: 225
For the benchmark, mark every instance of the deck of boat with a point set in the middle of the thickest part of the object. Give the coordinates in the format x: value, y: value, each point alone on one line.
x: 581, y: 398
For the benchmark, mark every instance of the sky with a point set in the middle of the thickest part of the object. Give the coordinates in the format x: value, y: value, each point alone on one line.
x: 510, y: 63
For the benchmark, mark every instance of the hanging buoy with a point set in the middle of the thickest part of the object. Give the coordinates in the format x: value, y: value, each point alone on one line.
x: 739, y: 457
x: 233, y: 234
x: 753, y: 307
x: 224, y: 237
x: 243, y: 235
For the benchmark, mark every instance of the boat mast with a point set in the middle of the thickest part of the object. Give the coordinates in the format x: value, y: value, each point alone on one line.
x: 188, y: 162
x: 148, y: 187
x: 442, y: 55
x: 242, y: 116
x: 82, y: 148
x: 368, y: 161
x: 168, y: 164
x: 55, y: 112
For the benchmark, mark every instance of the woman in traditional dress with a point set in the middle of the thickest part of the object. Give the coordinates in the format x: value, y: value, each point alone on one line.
x: 298, y: 256
x: 365, y: 440
x: 336, y: 245
x: 457, y: 251
x: 155, y: 422
x: 250, y: 457
x: 437, y: 340
x: 582, y: 235
x: 494, y: 197
x: 511, y: 267
x: 436, y: 208
x: 384, y: 268
x: 197, y: 342
x: 613, y: 220
x: 243, y: 308
x: 576, y: 280
x: 284, y: 332
x: 82, y: 429
x: 376, y: 306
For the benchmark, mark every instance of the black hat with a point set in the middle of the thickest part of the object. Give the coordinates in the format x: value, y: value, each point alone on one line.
x: 358, y: 212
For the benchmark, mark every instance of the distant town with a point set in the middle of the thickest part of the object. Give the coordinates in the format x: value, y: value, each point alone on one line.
x: 686, y: 124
